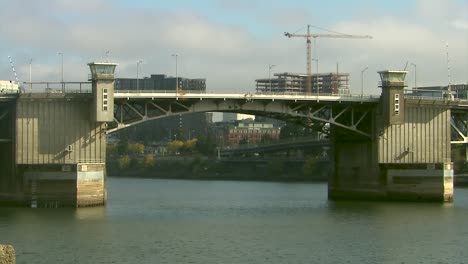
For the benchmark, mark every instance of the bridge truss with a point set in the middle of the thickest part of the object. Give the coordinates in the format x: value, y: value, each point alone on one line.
x: 312, y: 111
x: 459, y: 124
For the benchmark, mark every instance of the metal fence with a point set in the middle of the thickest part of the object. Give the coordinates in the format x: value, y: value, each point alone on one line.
x: 56, y: 87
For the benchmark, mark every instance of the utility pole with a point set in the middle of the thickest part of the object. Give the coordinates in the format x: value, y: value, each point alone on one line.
x: 138, y: 66
x: 317, y: 78
x: 63, y: 85
x: 362, y: 82
x: 270, y: 66
x: 176, y: 74
x: 30, y: 75
x: 415, y: 84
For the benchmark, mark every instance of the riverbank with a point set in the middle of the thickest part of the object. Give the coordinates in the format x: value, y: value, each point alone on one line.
x: 196, y: 168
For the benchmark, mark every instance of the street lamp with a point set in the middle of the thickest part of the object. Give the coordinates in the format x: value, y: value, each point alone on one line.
x: 176, y: 77
x: 317, y: 77
x: 270, y: 66
x: 362, y: 81
x: 30, y: 79
x: 414, y: 75
x: 138, y: 66
x: 63, y: 86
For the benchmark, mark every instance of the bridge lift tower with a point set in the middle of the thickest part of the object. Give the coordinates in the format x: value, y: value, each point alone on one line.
x: 309, y: 52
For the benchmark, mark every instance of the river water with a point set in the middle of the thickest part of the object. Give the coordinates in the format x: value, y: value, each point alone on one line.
x: 174, y: 221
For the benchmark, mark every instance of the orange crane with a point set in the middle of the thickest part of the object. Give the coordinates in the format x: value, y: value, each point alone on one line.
x: 309, y: 52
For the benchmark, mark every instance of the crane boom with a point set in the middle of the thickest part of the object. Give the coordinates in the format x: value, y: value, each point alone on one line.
x: 309, y: 50
x: 289, y: 35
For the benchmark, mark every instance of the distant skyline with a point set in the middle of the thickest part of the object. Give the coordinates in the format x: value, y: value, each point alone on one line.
x: 231, y: 43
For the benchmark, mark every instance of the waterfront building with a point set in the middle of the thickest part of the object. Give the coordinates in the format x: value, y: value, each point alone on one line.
x: 244, y: 132
x: 160, y: 82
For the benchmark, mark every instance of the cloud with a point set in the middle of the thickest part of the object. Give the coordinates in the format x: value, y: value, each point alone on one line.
x: 460, y: 24
x: 229, y: 55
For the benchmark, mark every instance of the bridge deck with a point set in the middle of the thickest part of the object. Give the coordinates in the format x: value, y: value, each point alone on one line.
x: 120, y: 94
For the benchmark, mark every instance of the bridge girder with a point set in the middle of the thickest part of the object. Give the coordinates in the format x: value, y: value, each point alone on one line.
x: 355, y: 117
x: 459, y: 127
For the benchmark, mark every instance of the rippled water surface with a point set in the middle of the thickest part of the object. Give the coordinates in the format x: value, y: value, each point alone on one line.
x: 171, y: 221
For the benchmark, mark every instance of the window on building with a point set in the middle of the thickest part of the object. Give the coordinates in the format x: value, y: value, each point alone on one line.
x: 396, y: 108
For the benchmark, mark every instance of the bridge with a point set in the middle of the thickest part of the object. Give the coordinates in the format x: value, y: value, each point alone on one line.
x: 392, y: 146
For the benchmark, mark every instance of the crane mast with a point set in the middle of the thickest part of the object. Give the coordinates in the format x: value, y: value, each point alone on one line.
x: 13, y: 69
x: 309, y: 49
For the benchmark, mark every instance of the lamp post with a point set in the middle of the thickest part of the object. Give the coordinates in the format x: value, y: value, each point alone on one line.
x: 63, y: 86
x: 362, y: 81
x: 30, y: 79
x: 317, y: 76
x: 270, y: 66
x: 176, y: 77
x: 138, y: 66
x: 414, y: 75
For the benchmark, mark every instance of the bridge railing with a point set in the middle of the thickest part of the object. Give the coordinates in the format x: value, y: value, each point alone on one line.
x: 353, y: 97
x: 57, y: 87
x: 435, y: 98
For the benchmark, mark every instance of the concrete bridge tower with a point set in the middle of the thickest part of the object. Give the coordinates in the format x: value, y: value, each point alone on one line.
x: 407, y: 156
x: 60, y: 141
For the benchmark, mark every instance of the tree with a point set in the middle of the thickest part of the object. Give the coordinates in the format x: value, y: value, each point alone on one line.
x: 136, y: 148
x: 122, y: 146
x: 175, y: 146
x: 205, y: 144
x: 148, y: 161
x: 124, y: 162
x: 189, y: 145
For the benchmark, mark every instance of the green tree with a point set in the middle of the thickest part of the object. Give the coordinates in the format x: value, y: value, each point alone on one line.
x: 189, y: 145
x: 205, y: 144
x: 122, y: 146
x: 175, y: 146
x: 136, y: 148
x: 124, y: 162
x: 148, y: 161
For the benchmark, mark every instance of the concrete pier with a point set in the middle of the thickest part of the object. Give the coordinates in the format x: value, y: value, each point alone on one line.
x: 60, y: 145
x: 407, y: 157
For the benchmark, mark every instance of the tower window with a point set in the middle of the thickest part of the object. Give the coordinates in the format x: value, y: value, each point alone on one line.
x: 396, y: 108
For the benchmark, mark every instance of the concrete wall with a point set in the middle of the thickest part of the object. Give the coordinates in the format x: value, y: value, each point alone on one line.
x: 8, y: 184
x: 47, y: 124
x: 103, y: 100
x: 55, y: 134
x: 423, y: 138
x: 91, y: 184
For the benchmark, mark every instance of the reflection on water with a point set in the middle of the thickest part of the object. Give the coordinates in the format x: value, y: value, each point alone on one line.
x: 90, y: 213
x: 170, y: 221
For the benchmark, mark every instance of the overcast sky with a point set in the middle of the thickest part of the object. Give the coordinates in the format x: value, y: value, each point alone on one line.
x: 231, y: 43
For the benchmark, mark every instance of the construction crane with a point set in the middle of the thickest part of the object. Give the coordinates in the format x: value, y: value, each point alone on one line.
x: 309, y: 51
x: 14, y: 72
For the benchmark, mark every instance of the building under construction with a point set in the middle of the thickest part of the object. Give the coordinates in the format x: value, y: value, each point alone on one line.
x: 326, y: 83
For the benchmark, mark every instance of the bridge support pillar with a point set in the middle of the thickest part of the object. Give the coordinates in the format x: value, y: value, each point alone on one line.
x: 406, y: 157
x: 420, y: 182
x: 69, y: 185
x: 356, y: 173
